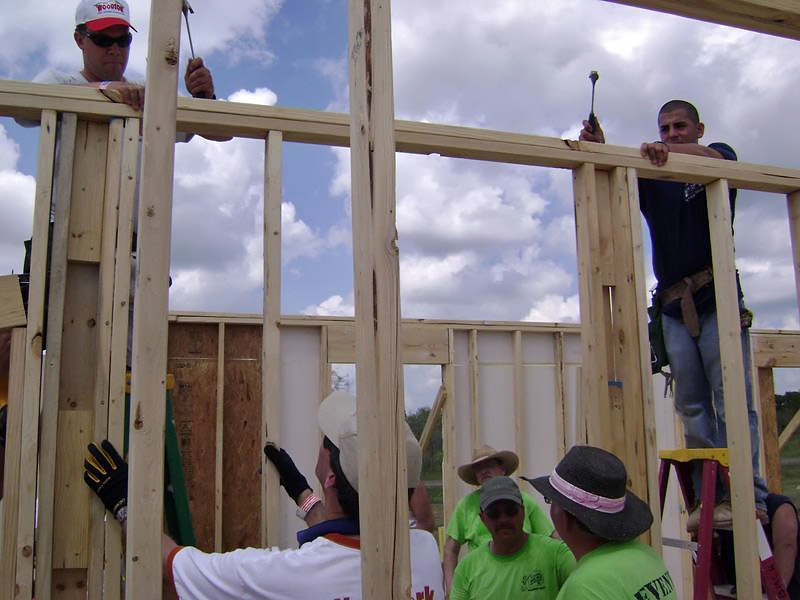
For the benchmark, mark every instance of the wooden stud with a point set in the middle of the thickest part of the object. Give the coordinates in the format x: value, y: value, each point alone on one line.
x: 271, y: 352
x: 561, y: 394
x: 33, y: 360
x: 12, y: 313
x: 793, y: 205
x: 420, y: 344
x: 324, y: 363
x: 450, y: 495
x: 433, y: 416
x: 639, y: 288
x: 748, y: 580
x: 52, y: 364
x: 776, y: 17
x: 594, y: 384
x: 775, y: 349
x: 769, y: 430
x: 519, y: 403
x: 381, y: 409
x: 789, y: 430
x: 474, y: 396
x: 86, y: 220
x: 119, y: 338
x: 146, y: 457
x: 11, y: 474
x: 27, y: 100
x: 218, y: 448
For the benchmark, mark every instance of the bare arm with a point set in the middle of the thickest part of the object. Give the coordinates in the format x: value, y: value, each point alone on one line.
x: 451, y: 550
x: 658, y: 152
x: 784, y: 540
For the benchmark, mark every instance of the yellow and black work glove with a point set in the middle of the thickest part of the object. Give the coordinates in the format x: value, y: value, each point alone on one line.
x: 107, y: 474
x: 292, y: 480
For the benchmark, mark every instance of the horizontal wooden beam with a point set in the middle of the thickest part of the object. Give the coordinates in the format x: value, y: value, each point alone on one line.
x: 775, y: 349
x: 12, y: 313
x: 27, y: 100
x: 775, y: 17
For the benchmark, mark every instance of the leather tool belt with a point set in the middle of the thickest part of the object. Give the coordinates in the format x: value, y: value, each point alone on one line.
x: 685, y: 289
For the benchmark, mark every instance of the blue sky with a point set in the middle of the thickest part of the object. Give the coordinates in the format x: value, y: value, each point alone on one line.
x: 477, y: 240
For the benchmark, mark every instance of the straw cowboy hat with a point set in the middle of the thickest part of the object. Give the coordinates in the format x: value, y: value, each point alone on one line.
x: 508, y: 459
x: 590, y: 484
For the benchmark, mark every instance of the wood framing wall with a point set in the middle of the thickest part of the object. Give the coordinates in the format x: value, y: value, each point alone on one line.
x: 235, y: 379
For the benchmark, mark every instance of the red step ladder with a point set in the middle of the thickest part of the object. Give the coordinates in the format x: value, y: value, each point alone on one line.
x: 714, y: 461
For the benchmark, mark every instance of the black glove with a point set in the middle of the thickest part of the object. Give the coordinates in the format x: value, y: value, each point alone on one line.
x: 107, y: 474
x: 292, y: 480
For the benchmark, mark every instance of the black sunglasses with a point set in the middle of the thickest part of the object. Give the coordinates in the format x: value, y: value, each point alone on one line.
x: 106, y: 41
x: 509, y: 510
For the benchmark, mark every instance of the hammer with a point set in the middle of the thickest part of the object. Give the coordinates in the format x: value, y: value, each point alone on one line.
x: 187, y: 8
x: 593, y: 76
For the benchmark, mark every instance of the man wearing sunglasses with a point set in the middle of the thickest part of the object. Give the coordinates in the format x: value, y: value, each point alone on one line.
x: 514, y: 564
x: 103, y: 33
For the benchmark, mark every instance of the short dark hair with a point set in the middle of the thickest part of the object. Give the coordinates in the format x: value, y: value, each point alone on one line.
x: 345, y: 493
x: 81, y: 30
x: 688, y: 107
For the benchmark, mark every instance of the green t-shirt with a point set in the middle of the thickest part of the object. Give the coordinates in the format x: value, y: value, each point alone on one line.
x: 620, y: 570
x: 536, y: 572
x: 466, y: 527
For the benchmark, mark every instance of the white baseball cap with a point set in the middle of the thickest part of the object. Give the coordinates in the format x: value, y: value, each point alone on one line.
x: 337, y: 420
x: 97, y: 15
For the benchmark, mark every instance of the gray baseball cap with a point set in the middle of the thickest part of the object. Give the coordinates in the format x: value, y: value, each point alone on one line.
x: 499, y: 488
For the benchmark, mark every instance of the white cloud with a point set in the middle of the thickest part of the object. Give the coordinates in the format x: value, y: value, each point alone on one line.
x: 260, y: 95
x: 335, y: 306
x: 552, y: 308
x: 17, y: 192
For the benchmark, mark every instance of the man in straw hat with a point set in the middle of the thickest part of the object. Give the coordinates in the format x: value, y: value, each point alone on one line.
x: 599, y: 519
x: 465, y: 526
x: 514, y: 564
x: 328, y: 562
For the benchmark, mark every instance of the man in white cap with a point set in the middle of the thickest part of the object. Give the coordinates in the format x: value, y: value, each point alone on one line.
x: 599, y: 519
x: 466, y: 526
x: 328, y: 562
x: 103, y: 34
x: 514, y: 564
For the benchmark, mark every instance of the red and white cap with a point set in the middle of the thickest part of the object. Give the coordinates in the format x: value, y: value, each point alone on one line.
x: 97, y: 15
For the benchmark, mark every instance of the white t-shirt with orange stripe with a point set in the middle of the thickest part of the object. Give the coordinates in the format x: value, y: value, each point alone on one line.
x: 327, y: 568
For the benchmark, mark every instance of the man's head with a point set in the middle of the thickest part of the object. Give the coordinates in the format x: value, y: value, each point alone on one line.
x: 337, y: 463
x: 502, y: 510
x: 487, y: 463
x: 588, y: 497
x: 102, y: 32
x: 679, y: 123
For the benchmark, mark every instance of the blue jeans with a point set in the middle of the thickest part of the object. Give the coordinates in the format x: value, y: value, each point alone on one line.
x: 695, y: 363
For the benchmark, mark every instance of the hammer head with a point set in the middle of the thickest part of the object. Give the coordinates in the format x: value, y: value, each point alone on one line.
x: 594, y: 76
x: 187, y: 8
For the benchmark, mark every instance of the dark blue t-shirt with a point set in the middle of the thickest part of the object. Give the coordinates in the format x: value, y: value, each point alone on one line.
x: 677, y: 216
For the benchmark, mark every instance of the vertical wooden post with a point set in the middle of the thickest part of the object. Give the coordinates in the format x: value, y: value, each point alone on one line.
x: 558, y: 352
x: 793, y: 206
x: 33, y: 360
x: 119, y: 339
x: 748, y: 581
x: 594, y: 381
x: 519, y: 403
x: 52, y: 364
x: 649, y: 458
x: 271, y: 338
x: 218, y: 445
x: 381, y: 414
x: 769, y: 429
x: 11, y: 474
x: 449, y: 480
x: 148, y: 385
x: 104, y: 330
x: 474, y: 399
